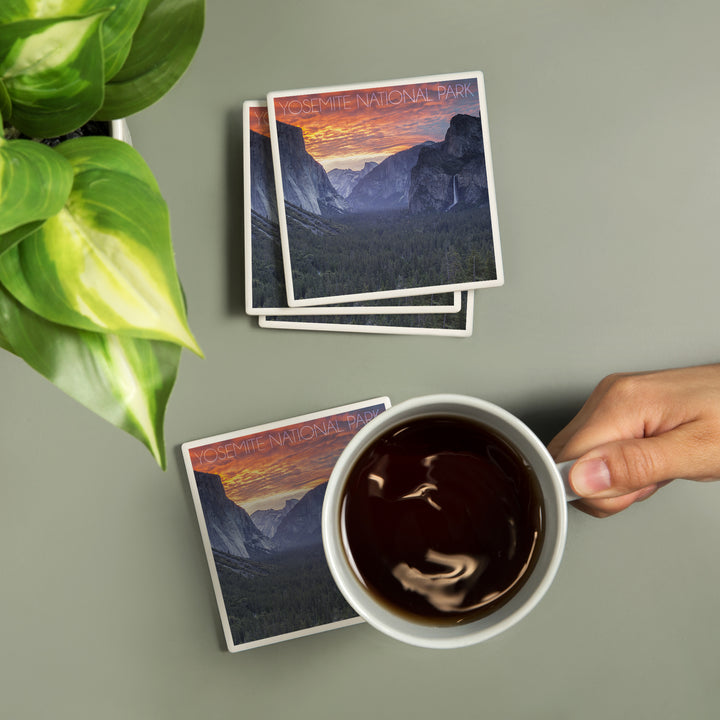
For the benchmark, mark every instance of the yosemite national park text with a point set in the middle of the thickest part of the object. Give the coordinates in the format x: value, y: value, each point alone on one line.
x: 377, y: 98
x: 282, y: 437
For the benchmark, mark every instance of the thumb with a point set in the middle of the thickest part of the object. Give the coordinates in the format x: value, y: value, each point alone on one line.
x: 625, y: 466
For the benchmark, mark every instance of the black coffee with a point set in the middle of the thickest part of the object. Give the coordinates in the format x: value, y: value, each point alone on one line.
x: 443, y: 520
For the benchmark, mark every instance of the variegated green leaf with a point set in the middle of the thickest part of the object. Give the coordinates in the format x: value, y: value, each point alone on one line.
x: 12, y: 238
x: 103, y: 153
x: 4, y: 342
x: 117, y: 30
x: 12, y: 10
x: 125, y: 380
x: 35, y: 182
x: 104, y: 262
x: 53, y: 73
x: 163, y: 46
x: 5, y: 104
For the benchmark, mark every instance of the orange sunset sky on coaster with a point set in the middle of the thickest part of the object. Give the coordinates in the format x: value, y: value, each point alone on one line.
x: 344, y: 128
x: 263, y: 469
x: 258, y: 120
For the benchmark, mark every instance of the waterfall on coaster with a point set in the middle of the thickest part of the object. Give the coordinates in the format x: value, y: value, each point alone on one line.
x: 455, y: 194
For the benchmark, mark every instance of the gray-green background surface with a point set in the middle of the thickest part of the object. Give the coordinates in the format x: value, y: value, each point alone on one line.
x: 605, y: 126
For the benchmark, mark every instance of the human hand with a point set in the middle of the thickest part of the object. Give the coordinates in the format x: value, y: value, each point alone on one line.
x: 637, y: 432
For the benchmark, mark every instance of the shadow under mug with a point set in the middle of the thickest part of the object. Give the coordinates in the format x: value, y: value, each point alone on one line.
x: 554, y: 487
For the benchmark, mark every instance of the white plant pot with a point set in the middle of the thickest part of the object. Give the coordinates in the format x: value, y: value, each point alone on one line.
x: 120, y: 131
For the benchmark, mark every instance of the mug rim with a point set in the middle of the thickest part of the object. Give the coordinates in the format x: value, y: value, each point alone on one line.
x: 420, y: 633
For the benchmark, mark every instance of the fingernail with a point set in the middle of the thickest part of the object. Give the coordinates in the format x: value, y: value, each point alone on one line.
x: 590, y: 477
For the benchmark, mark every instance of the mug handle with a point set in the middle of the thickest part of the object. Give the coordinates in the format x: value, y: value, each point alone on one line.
x: 564, y: 470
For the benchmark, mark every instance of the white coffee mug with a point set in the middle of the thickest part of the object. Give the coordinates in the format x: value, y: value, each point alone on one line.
x: 555, y: 491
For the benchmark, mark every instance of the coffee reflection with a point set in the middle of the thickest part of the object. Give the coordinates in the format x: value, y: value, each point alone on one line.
x: 442, y: 520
